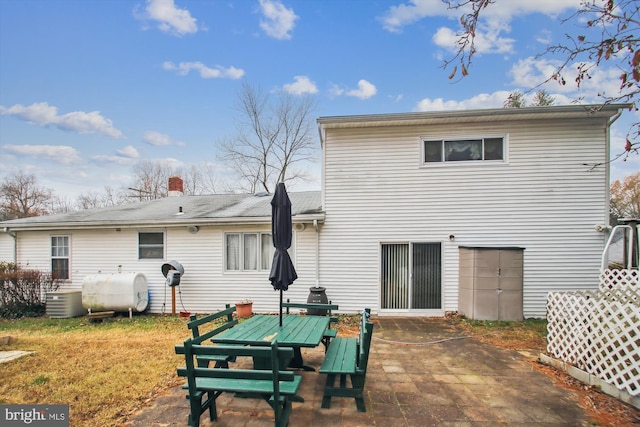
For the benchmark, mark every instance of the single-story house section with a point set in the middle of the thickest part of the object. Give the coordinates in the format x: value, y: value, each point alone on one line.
x: 481, y: 212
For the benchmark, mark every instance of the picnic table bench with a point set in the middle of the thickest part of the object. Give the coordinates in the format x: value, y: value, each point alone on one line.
x: 348, y: 357
x: 218, y: 322
x: 272, y: 383
x: 311, y: 309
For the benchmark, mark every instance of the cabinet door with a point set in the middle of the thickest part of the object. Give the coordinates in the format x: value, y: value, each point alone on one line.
x: 510, y: 270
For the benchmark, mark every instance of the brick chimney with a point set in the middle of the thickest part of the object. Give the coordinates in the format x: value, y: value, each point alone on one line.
x: 176, y: 186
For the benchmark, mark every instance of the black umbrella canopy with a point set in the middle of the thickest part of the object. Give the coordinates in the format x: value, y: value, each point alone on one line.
x: 282, y: 272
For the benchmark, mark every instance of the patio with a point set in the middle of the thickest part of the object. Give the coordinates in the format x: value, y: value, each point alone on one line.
x: 421, y: 372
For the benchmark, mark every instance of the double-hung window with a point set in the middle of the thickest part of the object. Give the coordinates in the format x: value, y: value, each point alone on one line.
x: 248, y: 251
x: 461, y: 150
x: 60, y: 257
x: 151, y: 245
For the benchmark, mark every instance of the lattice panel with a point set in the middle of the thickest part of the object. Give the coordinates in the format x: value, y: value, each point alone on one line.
x: 598, y: 332
x: 610, y: 279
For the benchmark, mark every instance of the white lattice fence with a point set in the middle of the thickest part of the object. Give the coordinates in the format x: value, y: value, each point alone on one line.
x: 598, y: 332
x: 610, y: 279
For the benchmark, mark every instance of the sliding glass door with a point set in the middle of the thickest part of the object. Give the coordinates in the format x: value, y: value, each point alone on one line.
x: 411, y: 276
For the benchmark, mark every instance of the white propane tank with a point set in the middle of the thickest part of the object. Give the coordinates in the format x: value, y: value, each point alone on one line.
x: 115, y: 292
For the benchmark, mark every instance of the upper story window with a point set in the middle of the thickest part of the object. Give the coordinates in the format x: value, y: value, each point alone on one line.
x: 151, y: 245
x: 249, y: 251
x: 461, y: 150
x: 60, y: 257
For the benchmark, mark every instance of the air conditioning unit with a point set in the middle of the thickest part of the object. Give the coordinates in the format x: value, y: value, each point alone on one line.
x: 64, y: 304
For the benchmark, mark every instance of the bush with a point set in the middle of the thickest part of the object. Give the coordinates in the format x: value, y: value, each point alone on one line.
x: 23, y: 292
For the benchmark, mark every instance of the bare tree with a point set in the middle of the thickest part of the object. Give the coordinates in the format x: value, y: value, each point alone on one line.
x: 515, y: 100
x: 151, y: 181
x: 608, y: 32
x: 21, y: 197
x: 60, y: 204
x: 625, y: 198
x: 273, y: 138
x: 542, y: 99
x: 92, y: 199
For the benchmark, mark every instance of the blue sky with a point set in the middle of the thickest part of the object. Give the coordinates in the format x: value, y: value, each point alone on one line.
x: 90, y: 88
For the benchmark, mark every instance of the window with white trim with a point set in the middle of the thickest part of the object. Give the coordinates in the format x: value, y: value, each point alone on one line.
x: 151, y: 245
x: 249, y: 251
x: 461, y: 150
x: 60, y: 259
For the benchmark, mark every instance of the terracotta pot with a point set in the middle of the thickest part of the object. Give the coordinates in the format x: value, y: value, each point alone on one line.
x: 184, y: 314
x: 244, y: 309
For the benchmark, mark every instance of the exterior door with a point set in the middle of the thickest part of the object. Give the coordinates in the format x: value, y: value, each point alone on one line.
x: 411, y: 276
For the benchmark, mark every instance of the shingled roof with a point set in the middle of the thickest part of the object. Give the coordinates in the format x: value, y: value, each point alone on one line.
x: 179, y: 210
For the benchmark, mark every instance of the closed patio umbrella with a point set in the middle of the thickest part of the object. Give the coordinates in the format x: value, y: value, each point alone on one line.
x: 282, y: 272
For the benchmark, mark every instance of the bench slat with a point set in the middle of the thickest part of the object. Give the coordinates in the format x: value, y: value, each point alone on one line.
x: 348, y: 357
x: 340, y: 357
x: 247, y: 386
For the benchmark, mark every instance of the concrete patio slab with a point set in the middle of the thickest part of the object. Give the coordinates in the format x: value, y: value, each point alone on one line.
x: 422, y: 372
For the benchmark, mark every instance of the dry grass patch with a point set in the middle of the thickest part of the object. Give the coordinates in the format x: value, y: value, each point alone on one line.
x: 104, y: 371
x: 528, y: 335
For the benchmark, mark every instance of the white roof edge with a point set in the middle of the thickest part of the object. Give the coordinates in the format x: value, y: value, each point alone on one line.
x: 429, y: 117
x: 302, y: 218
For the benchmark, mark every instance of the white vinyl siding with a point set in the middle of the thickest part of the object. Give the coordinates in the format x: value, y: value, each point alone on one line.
x: 542, y: 198
x: 204, y: 288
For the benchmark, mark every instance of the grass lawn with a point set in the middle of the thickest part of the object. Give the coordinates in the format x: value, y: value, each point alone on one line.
x: 106, y: 371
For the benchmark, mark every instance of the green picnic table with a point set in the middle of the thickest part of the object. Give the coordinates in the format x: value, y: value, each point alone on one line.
x: 296, y: 331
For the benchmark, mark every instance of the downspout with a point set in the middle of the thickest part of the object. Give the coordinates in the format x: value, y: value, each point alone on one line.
x: 315, y: 225
x: 15, y: 244
x: 608, y: 165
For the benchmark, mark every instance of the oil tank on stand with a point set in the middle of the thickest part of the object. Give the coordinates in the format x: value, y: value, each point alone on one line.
x: 115, y: 292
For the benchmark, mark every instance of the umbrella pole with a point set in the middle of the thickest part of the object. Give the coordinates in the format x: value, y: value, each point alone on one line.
x: 280, y: 307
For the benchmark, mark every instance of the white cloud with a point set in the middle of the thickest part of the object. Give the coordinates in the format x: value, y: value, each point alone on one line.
x: 159, y: 139
x: 335, y: 90
x: 129, y: 151
x: 205, y: 72
x: 278, y: 21
x: 405, y: 14
x: 480, y: 101
x: 483, y: 101
x: 493, y: 24
x: 301, y: 86
x: 170, y: 18
x: 488, y: 38
x: 118, y: 160
x: 531, y: 72
x: 365, y: 90
x: 43, y: 114
x: 58, y: 153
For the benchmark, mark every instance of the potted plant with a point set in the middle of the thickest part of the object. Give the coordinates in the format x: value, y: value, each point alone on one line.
x: 244, y: 308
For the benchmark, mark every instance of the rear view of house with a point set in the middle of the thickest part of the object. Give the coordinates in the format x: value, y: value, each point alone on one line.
x: 481, y: 212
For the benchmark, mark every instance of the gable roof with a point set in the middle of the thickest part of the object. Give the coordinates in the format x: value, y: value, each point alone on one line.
x: 178, y: 211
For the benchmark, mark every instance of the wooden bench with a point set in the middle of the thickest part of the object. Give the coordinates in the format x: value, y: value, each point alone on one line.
x: 348, y: 356
x: 329, y: 334
x: 273, y: 384
x: 218, y: 322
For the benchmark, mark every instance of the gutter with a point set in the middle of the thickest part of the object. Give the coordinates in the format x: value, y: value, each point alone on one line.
x: 607, y: 138
x: 315, y: 226
x: 158, y: 223
x: 15, y: 243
